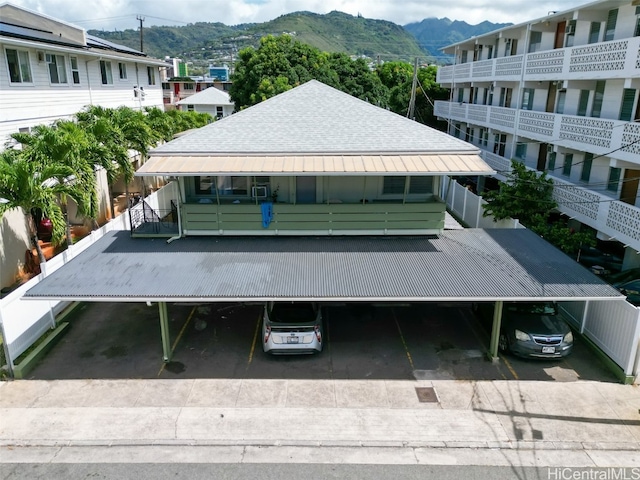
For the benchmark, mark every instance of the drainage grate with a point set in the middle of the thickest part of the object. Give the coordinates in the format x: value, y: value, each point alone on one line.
x: 427, y: 395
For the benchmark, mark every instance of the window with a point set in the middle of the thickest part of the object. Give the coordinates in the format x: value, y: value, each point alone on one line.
x: 484, y: 137
x: 417, y: 185
x: 551, y: 163
x: 57, y: 68
x: 122, y: 71
x: 461, y: 95
x: 610, y: 29
x: 505, y: 97
x: 596, y: 108
x: 583, y: 102
x: 468, y: 135
x: 586, y: 167
x: 463, y: 58
x: 105, y: 72
x: 628, y: 99
x: 166, y: 86
x: 393, y: 185
x: 562, y: 96
x: 614, y: 179
x: 219, y: 112
x: 535, y: 42
x: 571, y: 33
x: 151, y: 75
x: 19, y: 68
x: 456, y: 130
x: 566, y: 166
x: 75, y: 71
x: 594, y: 33
x: 490, y: 52
x: 190, y: 108
x: 521, y: 151
x: 226, y: 186
x: 189, y: 86
x: 527, y: 98
x: 636, y: 32
x: 420, y: 185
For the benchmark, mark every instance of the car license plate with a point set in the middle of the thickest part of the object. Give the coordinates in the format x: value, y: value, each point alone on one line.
x: 548, y: 349
x: 292, y: 339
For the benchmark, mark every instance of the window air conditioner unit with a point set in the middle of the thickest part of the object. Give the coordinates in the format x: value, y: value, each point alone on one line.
x: 259, y: 192
x: 40, y: 55
x: 570, y: 29
x: 549, y: 148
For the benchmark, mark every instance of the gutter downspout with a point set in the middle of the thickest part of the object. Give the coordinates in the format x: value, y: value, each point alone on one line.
x: 175, y: 237
x: 86, y: 67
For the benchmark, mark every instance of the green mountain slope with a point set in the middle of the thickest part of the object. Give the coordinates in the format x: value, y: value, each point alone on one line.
x: 333, y: 32
x: 341, y: 32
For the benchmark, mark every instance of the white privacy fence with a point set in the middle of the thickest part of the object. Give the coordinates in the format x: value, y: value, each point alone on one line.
x: 614, y: 326
x: 467, y: 206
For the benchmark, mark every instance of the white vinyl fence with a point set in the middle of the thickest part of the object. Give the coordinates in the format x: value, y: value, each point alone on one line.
x: 614, y: 326
x: 467, y: 206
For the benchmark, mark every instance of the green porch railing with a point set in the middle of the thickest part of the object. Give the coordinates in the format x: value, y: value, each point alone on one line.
x: 374, y: 218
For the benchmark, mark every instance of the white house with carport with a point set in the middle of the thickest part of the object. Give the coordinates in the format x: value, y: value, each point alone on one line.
x: 316, y: 195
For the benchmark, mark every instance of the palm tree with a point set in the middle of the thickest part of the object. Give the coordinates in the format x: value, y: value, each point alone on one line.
x: 64, y: 143
x: 32, y: 186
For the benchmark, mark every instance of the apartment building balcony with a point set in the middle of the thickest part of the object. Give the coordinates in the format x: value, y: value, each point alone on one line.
x: 603, y: 60
x: 614, y: 138
x: 599, y: 210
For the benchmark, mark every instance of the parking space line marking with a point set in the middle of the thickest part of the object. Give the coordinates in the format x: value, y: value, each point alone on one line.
x: 255, y: 340
x: 406, y: 348
x: 513, y: 372
x: 175, y: 344
x: 482, y: 339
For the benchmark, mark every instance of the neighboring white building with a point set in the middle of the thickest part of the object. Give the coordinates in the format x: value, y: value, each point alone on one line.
x: 50, y: 69
x: 560, y: 93
x: 211, y: 100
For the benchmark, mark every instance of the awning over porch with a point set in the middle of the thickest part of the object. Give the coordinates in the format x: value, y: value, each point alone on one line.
x: 298, y: 165
x: 461, y: 265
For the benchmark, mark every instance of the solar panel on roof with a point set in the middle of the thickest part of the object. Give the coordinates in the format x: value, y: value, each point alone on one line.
x: 93, y: 41
x: 34, y: 34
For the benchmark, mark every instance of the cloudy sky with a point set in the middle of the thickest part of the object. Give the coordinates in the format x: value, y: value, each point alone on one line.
x: 121, y: 14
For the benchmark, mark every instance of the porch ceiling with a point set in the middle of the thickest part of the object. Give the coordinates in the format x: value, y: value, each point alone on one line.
x: 322, y: 165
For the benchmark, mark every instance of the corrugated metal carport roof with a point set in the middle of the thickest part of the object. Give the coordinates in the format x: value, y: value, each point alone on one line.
x: 468, y: 264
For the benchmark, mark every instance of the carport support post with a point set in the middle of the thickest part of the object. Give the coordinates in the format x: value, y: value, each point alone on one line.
x: 495, y: 332
x: 164, y: 331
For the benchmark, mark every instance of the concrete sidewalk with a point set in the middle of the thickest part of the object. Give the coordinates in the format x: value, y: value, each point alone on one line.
x: 512, y: 415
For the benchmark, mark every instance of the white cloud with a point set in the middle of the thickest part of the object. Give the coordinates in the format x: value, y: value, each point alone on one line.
x: 121, y: 14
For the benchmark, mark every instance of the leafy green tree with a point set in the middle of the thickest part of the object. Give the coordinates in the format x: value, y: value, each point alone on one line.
x: 528, y: 196
x: 281, y: 63
x: 33, y: 185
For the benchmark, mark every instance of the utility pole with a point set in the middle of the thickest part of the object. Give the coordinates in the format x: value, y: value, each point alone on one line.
x: 140, y: 18
x: 414, y: 85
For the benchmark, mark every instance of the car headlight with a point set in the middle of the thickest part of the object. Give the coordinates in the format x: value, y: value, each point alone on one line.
x: 520, y: 335
x: 568, y: 338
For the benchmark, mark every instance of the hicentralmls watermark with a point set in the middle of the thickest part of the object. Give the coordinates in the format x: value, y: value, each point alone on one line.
x: 593, y: 473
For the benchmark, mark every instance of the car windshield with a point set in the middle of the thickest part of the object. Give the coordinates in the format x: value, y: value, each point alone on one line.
x: 292, y: 313
x: 545, y: 308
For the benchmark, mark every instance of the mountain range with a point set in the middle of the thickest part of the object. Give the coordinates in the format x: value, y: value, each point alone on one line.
x: 206, y: 43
